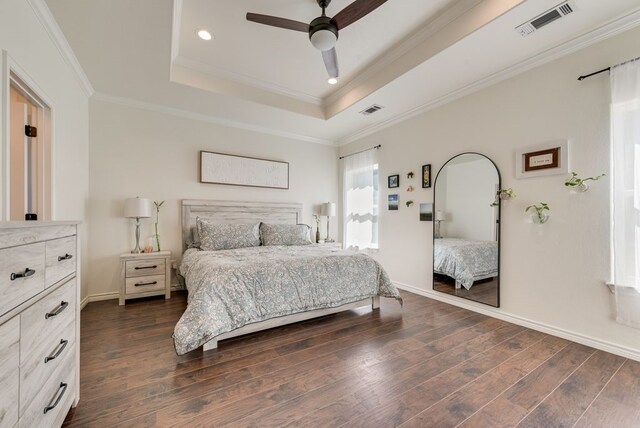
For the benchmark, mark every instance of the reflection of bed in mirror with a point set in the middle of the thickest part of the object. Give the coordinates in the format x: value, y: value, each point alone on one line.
x: 466, y: 243
x: 465, y: 261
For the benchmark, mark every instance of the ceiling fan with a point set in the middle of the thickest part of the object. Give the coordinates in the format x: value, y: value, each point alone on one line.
x: 323, y: 31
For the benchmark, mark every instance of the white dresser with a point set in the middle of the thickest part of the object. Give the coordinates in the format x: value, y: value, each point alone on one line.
x: 39, y: 322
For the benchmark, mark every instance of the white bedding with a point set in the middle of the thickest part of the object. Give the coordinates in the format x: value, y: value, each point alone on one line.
x: 465, y: 260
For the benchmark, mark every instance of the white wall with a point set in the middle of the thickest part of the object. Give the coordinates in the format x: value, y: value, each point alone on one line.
x: 552, y: 274
x: 137, y: 152
x: 26, y: 40
x: 464, y: 193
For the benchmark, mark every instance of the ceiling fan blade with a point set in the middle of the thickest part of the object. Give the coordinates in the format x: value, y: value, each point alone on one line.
x: 330, y: 58
x: 274, y: 21
x: 355, y: 11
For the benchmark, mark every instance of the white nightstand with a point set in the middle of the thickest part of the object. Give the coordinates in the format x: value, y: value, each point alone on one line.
x: 144, y: 275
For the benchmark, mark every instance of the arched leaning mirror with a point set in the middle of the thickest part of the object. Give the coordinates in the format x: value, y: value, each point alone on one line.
x: 466, y: 229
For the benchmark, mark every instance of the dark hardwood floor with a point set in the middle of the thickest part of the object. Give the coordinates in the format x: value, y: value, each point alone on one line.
x: 427, y: 364
x: 483, y: 291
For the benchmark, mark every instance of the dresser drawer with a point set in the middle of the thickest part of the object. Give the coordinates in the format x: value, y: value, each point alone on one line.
x: 17, y: 284
x: 52, y: 401
x: 144, y: 267
x: 142, y: 284
x: 45, y: 317
x: 9, y: 377
x: 60, y: 259
x: 43, y: 362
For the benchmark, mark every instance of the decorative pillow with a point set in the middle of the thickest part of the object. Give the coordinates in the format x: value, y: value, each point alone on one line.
x: 227, y: 236
x: 193, y: 241
x: 285, y: 234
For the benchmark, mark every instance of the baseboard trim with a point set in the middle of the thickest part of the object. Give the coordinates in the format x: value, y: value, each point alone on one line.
x: 98, y: 298
x: 623, y: 351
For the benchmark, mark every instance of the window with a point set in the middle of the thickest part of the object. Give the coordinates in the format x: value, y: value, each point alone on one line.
x: 625, y: 173
x: 360, y: 192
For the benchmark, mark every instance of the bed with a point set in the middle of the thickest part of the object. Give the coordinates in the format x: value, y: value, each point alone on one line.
x: 464, y: 260
x: 233, y: 292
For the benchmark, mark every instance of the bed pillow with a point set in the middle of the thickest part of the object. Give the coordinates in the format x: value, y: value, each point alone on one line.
x: 285, y: 234
x: 227, y: 236
x: 193, y: 240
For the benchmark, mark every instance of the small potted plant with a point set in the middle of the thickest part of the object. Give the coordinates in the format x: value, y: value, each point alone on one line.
x: 579, y: 184
x: 317, y: 217
x: 541, y: 212
x: 503, y: 194
x: 156, y: 236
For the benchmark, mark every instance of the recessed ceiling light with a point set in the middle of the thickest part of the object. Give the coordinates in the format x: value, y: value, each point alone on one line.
x: 332, y: 80
x: 204, y: 35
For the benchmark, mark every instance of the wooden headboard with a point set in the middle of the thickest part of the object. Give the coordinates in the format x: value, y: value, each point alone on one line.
x: 236, y: 212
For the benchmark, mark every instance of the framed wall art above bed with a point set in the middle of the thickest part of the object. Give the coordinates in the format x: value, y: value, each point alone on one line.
x: 222, y: 168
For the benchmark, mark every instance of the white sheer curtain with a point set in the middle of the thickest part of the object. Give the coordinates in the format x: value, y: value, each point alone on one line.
x: 360, y: 200
x: 625, y: 171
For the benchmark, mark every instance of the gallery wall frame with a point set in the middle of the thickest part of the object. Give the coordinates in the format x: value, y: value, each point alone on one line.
x: 234, y: 170
x: 426, y: 176
x: 550, y: 158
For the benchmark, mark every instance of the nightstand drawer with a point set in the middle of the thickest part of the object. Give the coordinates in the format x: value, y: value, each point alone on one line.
x: 143, y: 284
x: 61, y: 259
x: 144, y: 267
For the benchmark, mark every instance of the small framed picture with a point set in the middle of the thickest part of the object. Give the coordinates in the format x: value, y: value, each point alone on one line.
x: 394, y: 181
x: 426, y: 212
x: 426, y: 176
x: 393, y: 202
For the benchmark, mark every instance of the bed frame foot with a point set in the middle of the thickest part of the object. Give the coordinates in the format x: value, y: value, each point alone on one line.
x: 458, y: 285
x: 375, y: 302
x: 212, y: 344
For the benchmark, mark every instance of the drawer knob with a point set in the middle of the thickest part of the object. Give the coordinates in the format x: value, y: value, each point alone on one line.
x: 63, y: 305
x: 56, y: 398
x: 145, y: 267
x: 140, y: 284
x: 65, y: 257
x: 26, y: 274
x: 63, y: 344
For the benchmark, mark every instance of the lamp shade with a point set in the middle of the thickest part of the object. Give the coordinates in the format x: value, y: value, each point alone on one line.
x: 137, y: 208
x: 328, y: 209
x: 440, y: 215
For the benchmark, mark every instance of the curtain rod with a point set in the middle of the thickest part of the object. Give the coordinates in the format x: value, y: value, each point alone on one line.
x: 586, y: 76
x: 361, y: 151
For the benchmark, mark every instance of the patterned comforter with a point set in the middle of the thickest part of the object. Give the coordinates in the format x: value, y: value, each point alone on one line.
x: 465, y: 260
x: 232, y: 288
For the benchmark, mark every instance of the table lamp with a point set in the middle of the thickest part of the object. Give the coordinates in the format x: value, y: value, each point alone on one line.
x: 440, y: 217
x: 137, y: 208
x: 328, y: 209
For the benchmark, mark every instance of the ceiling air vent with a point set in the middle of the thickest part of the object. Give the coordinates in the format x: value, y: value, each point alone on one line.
x: 561, y: 10
x: 370, y: 110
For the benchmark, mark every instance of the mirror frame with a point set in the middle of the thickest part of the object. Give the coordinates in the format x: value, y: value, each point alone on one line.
x: 499, y: 227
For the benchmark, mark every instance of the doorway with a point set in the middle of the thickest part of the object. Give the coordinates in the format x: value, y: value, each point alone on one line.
x: 29, y: 154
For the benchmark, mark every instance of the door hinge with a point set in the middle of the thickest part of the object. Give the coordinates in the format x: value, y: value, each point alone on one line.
x: 30, y: 131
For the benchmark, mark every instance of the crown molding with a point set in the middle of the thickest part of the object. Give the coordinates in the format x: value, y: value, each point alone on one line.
x: 608, y: 30
x: 246, y: 80
x: 47, y: 20
x: 378, y: 65
x: 157, y: 108
x: 175, y: 28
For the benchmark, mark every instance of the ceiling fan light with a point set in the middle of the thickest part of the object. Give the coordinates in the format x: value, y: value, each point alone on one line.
x: 323, y: 40
x: 332, y: 80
